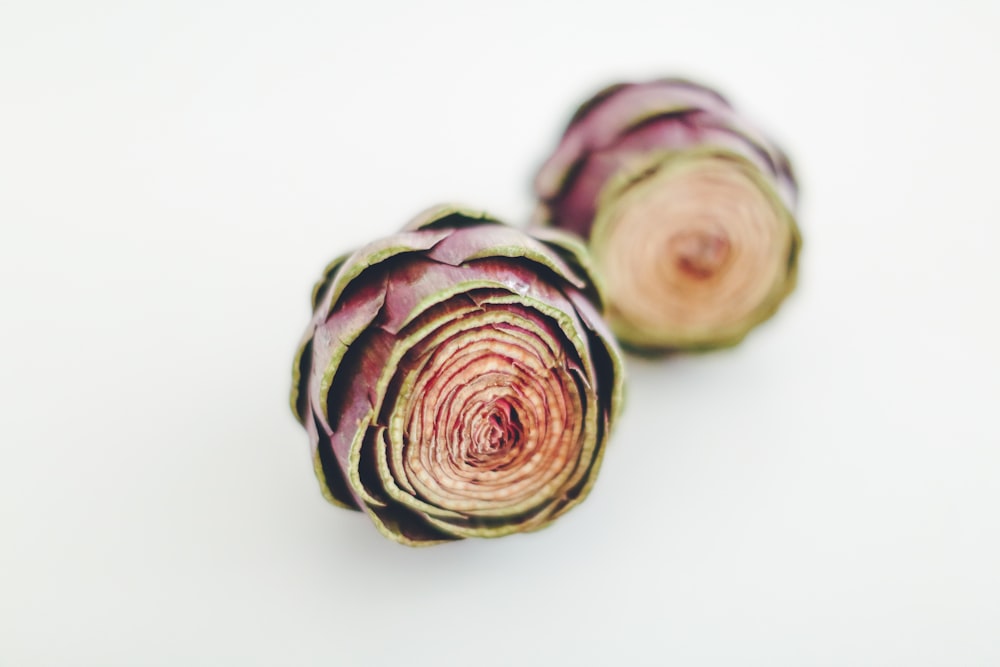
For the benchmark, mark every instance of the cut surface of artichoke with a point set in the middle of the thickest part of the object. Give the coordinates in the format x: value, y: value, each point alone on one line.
x: 695, y: 248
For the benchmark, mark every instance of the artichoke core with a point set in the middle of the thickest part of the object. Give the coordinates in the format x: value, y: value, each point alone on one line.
x: 700, y: 254
x: 494, y: 431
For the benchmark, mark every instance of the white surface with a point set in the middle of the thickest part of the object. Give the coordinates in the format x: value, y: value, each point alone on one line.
x: 173, y: 178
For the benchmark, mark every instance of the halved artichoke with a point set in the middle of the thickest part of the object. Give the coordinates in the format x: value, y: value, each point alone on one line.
x: 456, y: 379
x: 686, y: 207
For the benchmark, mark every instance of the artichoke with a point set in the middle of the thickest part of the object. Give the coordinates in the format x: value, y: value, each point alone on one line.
x: 686, y: 208
x: 456, y: 379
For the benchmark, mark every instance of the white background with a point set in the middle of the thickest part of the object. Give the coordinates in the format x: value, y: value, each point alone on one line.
x: 174, y: 176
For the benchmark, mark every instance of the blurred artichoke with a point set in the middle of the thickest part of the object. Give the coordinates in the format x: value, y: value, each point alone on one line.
x: 456, y: 379
x: 686, y: 208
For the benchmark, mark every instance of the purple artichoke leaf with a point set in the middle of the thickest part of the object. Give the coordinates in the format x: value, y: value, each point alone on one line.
x: 333, y: 485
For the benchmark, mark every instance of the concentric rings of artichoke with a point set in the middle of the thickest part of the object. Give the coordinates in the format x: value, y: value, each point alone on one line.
x: 706, y: 206
x: 561, y: 445
x: 484, y: 419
